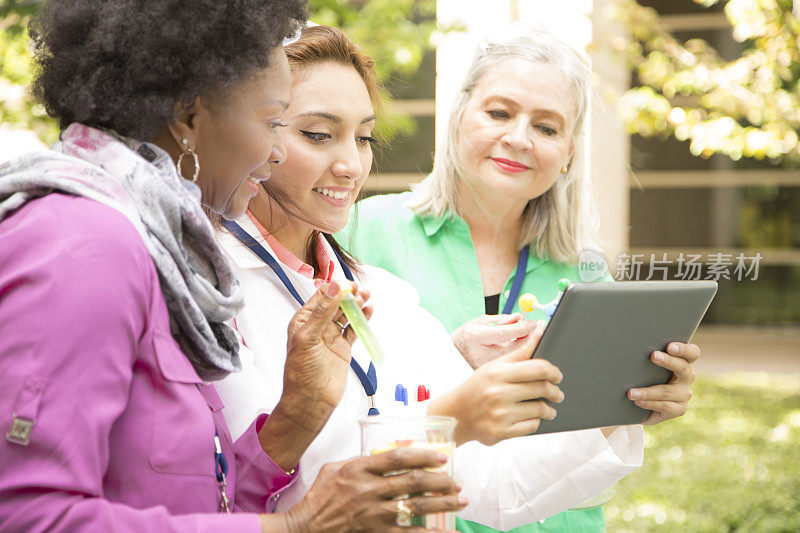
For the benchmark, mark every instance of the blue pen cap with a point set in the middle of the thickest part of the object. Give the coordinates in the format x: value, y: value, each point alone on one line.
x: 400, y: 394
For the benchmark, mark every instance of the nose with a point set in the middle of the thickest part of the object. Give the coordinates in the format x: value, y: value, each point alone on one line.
x: 518, y: 135
x: 278, y: 154
x: 348, y: 162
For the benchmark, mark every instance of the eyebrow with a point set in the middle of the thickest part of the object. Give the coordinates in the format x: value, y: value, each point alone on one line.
x: 333, y: 118
x: 281, y: 103
x: 513, y: 103
x: 506, y: 100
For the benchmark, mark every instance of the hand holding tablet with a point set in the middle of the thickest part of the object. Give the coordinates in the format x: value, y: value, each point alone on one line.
x: 606, y: 338
x: 671, y: 400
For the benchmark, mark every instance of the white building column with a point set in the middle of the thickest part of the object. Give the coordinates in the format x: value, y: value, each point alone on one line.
x: 610, y: 141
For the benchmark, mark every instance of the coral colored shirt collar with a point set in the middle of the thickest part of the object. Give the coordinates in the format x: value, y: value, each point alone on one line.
x: 324, y: 260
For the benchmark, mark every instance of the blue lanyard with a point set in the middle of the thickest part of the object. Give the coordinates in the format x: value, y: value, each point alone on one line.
x: 368, y: 379
x: 221, y: 469
x: 519, y: 277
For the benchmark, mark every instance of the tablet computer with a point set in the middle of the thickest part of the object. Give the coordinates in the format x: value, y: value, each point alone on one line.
x: 601, y: 336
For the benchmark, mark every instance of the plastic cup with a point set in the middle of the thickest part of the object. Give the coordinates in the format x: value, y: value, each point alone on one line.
x: 383, y: 433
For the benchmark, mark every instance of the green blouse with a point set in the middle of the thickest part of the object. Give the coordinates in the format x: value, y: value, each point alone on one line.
x: 438, y: 258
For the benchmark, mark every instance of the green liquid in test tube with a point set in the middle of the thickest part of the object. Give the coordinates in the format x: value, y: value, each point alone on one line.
x: 359, y: 323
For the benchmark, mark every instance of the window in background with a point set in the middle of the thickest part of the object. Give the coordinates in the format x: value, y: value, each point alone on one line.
x: 684, y: 204
x: 408, y: 157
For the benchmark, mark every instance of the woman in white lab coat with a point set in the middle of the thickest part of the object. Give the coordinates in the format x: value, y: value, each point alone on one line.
x: 327, y: 137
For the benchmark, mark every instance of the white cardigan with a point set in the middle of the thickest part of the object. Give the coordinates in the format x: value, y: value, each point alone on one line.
x: 515, y: 482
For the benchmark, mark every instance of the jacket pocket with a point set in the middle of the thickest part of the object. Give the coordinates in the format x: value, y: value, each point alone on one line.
x: 182, y: 439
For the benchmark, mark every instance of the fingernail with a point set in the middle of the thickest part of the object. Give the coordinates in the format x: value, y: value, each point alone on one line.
x: 562, y: 396
x: 673, y: 348
x: 333, y: 289
x: 462, y: 500
x: 635, y: 394
x: 441, y: 457
x: 640, y: 403
x: 458, y: 487
x: 658, y: 357
x: 553, y: 414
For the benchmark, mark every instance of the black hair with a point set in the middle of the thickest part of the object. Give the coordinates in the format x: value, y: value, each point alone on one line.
x: 125, y: 64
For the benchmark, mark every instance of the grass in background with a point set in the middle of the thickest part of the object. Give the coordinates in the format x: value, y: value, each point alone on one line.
x: 732, y: 463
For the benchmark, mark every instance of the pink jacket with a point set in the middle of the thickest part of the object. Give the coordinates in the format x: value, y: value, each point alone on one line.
x: 123, y: 432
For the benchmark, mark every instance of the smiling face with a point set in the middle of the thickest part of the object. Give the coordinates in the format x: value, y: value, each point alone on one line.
x: 516, y: 132
x: 328, y: 144
x: 236, y: 140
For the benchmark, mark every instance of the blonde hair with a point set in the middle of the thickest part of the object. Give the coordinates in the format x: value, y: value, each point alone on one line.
x: 563, y: 220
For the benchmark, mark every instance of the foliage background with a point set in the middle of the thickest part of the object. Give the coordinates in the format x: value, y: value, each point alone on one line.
x: 730, y: 464
x: 16, y: 107
x: 396, y: 33
x: 748, y: 107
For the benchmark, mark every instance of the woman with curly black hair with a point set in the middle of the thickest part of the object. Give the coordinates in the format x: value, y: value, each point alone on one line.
x: 114, y: 296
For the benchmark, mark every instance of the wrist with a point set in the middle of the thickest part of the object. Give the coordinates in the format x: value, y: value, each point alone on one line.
x: 447, y: 405
x: 296, y: 522
x: 276, y: 523
x: 307, y: 413
x: 456, y: 338
x: 607, y: 431
x: 458, y: 342
x: 285, y: 440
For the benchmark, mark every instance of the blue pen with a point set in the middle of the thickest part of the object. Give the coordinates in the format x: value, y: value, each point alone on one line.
x: 401, y: 394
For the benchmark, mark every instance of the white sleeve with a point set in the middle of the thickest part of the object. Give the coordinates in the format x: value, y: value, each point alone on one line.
x: 518, y: 481
x: 246, y: 394
x: 526, y: 479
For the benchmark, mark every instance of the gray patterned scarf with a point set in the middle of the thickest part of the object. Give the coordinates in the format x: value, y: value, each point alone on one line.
x: 140, y: 181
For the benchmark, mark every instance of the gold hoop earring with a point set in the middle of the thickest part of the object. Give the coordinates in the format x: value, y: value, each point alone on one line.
x: 195, y: 159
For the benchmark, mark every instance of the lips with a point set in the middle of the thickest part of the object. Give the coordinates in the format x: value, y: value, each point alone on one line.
x: 510, y: 166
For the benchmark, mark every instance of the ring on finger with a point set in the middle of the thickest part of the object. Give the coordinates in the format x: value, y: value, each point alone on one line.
x: 404, y: 513
x: 341, y: 326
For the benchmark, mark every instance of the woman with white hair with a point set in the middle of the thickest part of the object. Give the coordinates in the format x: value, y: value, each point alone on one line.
x: 508, y: 201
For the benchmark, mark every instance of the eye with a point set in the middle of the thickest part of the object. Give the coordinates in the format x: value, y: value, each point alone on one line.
x: 314, y: 136
x: 277, y: 124
x: 366, y: 141
x: 547, y: 130
x: 497, y: 114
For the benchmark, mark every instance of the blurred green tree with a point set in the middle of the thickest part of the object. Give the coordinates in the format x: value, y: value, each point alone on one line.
x: 16, y: 106
x: 396, y: 33
x: 748, y: 107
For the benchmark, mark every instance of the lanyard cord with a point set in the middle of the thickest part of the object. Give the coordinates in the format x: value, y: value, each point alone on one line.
x: 221, y: 470
x: 368, y: 379
x: 519, y: 277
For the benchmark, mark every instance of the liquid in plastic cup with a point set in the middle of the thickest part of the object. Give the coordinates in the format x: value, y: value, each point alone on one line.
x: 383, y: 433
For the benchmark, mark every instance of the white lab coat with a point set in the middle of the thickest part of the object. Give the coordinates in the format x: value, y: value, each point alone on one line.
x: 515, y: 482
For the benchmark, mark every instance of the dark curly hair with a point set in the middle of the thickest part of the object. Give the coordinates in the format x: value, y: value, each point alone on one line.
x: 124, y: 64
